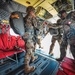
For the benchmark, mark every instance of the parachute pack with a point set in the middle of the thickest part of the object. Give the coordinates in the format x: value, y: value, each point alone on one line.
x: 17, y: 22
x: 71, y: 33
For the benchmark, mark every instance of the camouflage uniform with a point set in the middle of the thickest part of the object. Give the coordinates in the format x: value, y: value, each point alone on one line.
x: 31, y: 34
x: 66, y: 40
x: 35, y: 28
x: 40, y: 33
x: 57, y: 37
x: 53, y: 40
x: 30, y: 24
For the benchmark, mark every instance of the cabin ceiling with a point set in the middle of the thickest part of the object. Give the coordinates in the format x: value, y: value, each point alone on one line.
x: 51, y: 7
x: 46, y: 4
x: 45, y: 9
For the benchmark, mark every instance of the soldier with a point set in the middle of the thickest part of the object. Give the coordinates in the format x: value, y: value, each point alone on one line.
x: 32, y: 24
x: 41, y: 32
x: 30, y: 27
x: 63, y: 14
x: 68, y: 38
x: 57, y: 37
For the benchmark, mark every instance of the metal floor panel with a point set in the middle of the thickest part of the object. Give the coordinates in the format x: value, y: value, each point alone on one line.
x: 44, y: 66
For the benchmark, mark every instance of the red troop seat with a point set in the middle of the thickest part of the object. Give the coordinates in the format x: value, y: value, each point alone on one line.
x: 10, y: 45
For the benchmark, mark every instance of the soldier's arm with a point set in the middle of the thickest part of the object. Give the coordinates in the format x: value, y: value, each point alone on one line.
x: 34, y: 22
x: 55, y: 27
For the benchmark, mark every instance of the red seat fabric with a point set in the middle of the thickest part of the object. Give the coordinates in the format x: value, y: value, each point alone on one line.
x: 1, y: 43
x: 4, y: 54
x: 8, y: 44
x: 20, y: 42
x: 67, y: 67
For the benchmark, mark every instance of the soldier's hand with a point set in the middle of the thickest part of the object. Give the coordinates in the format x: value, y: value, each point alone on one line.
x: 26, y: 35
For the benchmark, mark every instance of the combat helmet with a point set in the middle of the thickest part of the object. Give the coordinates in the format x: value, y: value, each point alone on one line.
x: 29, y: 9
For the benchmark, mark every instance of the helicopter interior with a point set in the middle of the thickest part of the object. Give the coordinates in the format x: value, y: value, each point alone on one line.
x: 46, y: 10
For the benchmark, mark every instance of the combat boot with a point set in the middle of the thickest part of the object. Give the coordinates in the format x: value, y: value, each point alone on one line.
x: 34, y: 58
x: 28, y: 68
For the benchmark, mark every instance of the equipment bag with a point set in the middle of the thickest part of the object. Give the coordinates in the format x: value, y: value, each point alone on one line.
x: 67, y: 67
x: 17, y: 22
x: 71, y: 33
x: 53, y: 31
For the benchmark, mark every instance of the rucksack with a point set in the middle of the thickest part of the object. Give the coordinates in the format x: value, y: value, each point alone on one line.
x: 71, y: 32
x: 17, y: 22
